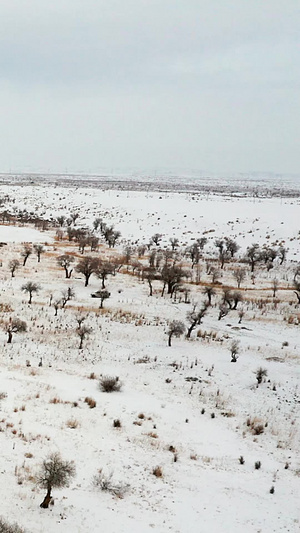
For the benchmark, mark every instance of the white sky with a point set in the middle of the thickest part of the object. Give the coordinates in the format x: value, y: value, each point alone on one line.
x: 207, y: 84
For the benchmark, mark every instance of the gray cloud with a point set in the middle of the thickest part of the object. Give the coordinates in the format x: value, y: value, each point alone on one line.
x: 193, y: 83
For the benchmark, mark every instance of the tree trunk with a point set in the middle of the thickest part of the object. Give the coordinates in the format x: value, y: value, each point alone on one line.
x: 150, y: 287
x: 9, y: 337
x: 46, y: 500
x: 81, y: 342
x: 30, y: 297
x: 169, y: 340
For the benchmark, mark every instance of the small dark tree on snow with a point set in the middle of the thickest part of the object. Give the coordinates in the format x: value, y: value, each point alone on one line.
x: 15, y: 325
x: 209, y: 292
x: 26, y: 252
x: 30, y: 287
x: 66, y: 296
x: 103, y: 270
x: 65, y: 261
x: 194, y: 317
x: 223, y: 311
x: 234, y: 350
x: 275, y: 286
x: 13, y: 265
x: 87, y: 266
x: 61, y: 220
x: 54, y: 473
x: 39, y: 250
x: 260, y: 374
x: 103, y: 295
x: 83, y: 331
x: 176, y: 328
x: 150, y: 274
x: 174, y: 242
x: 239, y: 274
x: 156, y: 238
x: 253, y: 255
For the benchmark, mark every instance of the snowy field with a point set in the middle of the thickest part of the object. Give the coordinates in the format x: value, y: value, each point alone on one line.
x: 192, y: 443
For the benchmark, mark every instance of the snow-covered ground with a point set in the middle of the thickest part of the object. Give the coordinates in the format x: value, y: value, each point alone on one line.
x: 186, y: 408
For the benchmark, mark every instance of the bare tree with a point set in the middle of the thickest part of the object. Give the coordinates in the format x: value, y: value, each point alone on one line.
x: 103, y: 295
x: 39, y: 250
x: 104, y: 268
x: 234, y: 350
x: 54, y: 473
x: 275, y: 285
x: 174, y: 242
x: 209, y: 292
x: 237, y: 297
x: 156, y: 238
x: 253, y: 255
x: 30, y: 287
x: 297, y: 290
x: 61, y: 220
x: 239, y: 274
x: 67, y: 295
x: 65, y: 261
x: 87, y: 266
x: 6, y: 527
x: 194, y: 317
x: 260, y: 374
x: 282, y: 251
x: 13, y: 265
x: 150, y: 274
x: 220, y: 244
x: 223, y: 311
x: 171, y: 277
x: 83, y: 331
x: 176, y: 328
x: 14, y: 325
x: 26, y: 252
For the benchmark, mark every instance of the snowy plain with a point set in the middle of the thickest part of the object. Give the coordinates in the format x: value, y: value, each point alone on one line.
x: 184, y: 408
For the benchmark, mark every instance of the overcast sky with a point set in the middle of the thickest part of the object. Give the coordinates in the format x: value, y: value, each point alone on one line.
x: 206, y: 84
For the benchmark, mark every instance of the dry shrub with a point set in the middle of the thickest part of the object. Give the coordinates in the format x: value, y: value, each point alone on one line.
x: 110, y: 384
x: 28, y: 455
x: 55, y: 400
x: 3, y: 395
x: 92, y: 375
x: 117, y: 423
x: 153, y: 435
x: 5, y: 527
x: 255, y: 425
x: 157, y: 471
x: 91, y: 402
x: 72, y: 423
x: 5, y: 308
x: 105, y: 483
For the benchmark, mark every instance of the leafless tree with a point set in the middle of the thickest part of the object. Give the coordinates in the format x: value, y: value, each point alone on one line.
x: 14, y: 325
x: 54, y: 473
x: 174, y: 242
x: 195, y: 317
x: 30, y: 287
x: 223, y: 311
x: 65, y: 261
x: 13, y: 265
x: 209, y: 292
x: 87, y: 266
x: 104, y: 268
x: 260, y: 374
x: 253, y: 255
x: 237, y: 297
x: 176, y: 328
x: 83, y: 331
x: 66, y: 296
x: 61, y: 220
x: 231, y: 246
x: 26, y: 252
x: 241, y: 315
x: 171, y: 277
x: 234, y: 350
x: 220, y: 244
x: 150, y: 274
x: 282, y: 251
x: 275, y: 285
x: 297, y: 290
x: 239, y: 274
x: 39, y: 250
x: 156, y: 238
